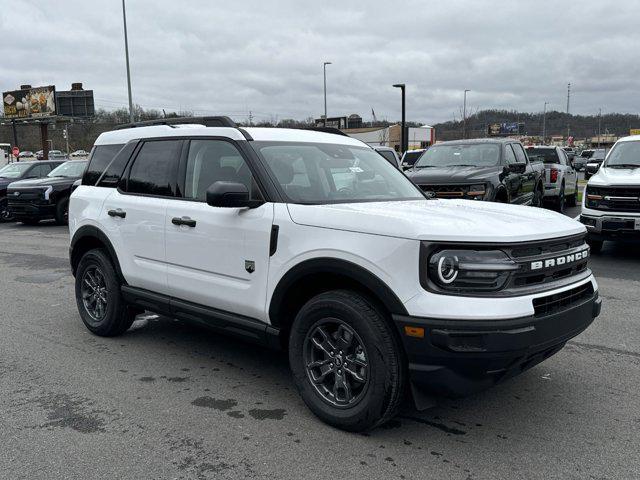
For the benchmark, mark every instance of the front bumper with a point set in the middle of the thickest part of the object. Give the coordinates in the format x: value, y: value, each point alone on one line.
x: 31, y: 210
x: 619, y: 227
x: 460, y: 357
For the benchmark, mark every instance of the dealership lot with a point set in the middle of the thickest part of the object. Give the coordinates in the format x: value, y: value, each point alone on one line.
x: 170, y: 400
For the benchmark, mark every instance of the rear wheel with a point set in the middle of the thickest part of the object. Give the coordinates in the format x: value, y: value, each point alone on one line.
x: 346, y: 361
x: 62, y: 212
x: 537, y: 197
x: 5, y: 213
x: 572, y: 201
x: 561, y: 201
x: 100, y: 303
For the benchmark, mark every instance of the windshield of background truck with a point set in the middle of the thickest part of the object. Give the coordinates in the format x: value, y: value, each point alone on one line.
x: 473, y: 155
x: 69, y: 169
x: 14, y: 170
x: 319, y: 173
x: 411, y: 157
x: 544, y: 155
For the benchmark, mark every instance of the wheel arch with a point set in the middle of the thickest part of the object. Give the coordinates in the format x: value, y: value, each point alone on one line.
x: 87, y: 238
x: 314, y: 276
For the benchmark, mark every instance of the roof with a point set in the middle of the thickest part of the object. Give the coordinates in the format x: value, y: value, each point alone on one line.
x: 478, y: 140
x: 630, y: 138
x: 257, y: 133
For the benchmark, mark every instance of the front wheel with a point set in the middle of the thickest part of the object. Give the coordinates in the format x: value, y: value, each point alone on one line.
x: 5, y: 213
x: 346, y: 361
x: 62, y: 212
x: 100, y: 303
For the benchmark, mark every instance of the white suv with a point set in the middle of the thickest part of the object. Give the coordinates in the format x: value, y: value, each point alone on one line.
x: 313, y: 242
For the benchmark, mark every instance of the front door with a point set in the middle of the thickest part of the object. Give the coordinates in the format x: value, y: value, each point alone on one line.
x: 218, y: 257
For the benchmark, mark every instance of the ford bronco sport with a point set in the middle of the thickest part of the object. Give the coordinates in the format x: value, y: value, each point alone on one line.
x: 314, y: 243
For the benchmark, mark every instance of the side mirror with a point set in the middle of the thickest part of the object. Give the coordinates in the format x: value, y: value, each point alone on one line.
x: 517, y: 167
x: 230, y: 195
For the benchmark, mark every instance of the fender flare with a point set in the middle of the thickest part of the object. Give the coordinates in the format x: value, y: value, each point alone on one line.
x: 91, y: 232
x: 335, y: 266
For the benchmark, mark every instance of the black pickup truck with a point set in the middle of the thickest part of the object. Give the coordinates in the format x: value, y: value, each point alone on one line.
x: 496, y: 170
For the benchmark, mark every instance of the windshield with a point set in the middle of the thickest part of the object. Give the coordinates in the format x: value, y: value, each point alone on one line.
x: 544, y: 155
x: 318, y: 173
x: 411, y: 157
x: 473, y: 155
x: 14, y: 170
x: 625, y: 155
x: 587, y: 153
x: 598, y: 155
x: 69, y: 169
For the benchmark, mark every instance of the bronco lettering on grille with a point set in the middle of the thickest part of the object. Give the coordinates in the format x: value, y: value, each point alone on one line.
x: 559, y: 261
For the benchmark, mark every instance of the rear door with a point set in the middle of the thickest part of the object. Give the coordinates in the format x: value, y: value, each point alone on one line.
x: 513, y: 180
x: 134, y: 214
x: 218, y: 257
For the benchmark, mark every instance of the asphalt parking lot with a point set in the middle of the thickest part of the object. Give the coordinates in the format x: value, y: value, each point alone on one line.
x: 169, y: 400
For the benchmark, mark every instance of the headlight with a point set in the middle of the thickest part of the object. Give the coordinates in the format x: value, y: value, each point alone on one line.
x: 477, y: 192
x: 470, y: 270
x: 47, y: 192
x: 593, y: 197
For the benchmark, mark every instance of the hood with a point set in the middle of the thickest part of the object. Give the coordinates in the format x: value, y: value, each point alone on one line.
x: 616, y: 176
x: 42, y: 182
x: 440, y: 220
x: 453, y: 175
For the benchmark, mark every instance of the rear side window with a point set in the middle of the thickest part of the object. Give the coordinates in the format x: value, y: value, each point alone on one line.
x: 100, y: 158
x: 520, y: 155
x: 113, y: 173
x: 509, y: 156
x: 154, y: 170
x: 389, y: 156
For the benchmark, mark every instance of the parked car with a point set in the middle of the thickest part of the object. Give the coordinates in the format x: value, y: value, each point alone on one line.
x: 480, y: 169
x: 33, y: 200
x: 410, y: 157
x: 580, y: 161
x: 53, y: 155
x: 20, y: 171
x: 594, y: 163
x: 79, y: 153
x: 26, y: 155
x: 314, y: 243
x: 560, y: 179
x: 611, y: 204
x: 390, y: 154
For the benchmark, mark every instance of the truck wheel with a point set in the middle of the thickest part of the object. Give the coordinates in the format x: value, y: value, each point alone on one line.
x: 572, y: 201
x: 5, y: 213
x: 537, y: 197
x: 62, y: 212
x: 100, y: 303
x: 560, y: 202
x: 595, y: 245
x: 346, y: 361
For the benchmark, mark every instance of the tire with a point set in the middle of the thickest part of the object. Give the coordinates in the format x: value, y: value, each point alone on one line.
x: 30, y: 221
x: 62, y: 211
x: 369, y: 339
x: 572, y: 201
x: 560, y: 202
x: 595, y: 245
x: 5, y: 213
x: 96, y: 275
x: 538, y: 195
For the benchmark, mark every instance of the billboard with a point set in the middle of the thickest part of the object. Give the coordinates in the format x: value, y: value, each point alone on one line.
x: 30, y: 103
x: 634, y: 131
x: 505, y: 129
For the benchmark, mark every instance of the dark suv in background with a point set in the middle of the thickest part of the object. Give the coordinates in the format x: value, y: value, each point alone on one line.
x: 480, y: 169
x: 20, y: 171
x: 30, y: 201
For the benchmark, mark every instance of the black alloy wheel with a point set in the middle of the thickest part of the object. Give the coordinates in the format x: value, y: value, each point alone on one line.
x: 336, y: 362
x: 94, y: 293
x: 5, y: 213
x: 560, y: 203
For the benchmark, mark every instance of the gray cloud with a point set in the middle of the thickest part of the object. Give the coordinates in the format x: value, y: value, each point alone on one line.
x: 266, y: 56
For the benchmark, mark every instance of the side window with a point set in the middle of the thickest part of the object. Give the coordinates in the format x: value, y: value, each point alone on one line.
x: 101, y: 156
x: 509, y: 156
x: 154, y: 170
x: 211, y: 161
x: 114, y: 170
x: 520, y: 155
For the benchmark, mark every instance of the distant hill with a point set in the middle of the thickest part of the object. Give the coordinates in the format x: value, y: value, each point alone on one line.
x: 580, y: 126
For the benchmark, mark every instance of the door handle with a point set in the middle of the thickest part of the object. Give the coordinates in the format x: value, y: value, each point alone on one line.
x: 117, y: 213
x: 183, y: 221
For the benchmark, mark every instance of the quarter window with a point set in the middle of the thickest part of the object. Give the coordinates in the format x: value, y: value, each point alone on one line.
x: 100, y: 158
x: 509, y: 156
x: 520, y: 155
x: 211, y: 161
x: 154, y: 169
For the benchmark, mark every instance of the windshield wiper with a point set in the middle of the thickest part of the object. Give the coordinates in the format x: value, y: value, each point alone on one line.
x: 425, y: 166
x: 461, y: 165
x: 624, y: 165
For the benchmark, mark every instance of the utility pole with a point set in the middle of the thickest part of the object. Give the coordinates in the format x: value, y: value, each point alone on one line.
x: 403, y: 134
x: 464, y: 114
x: 324, y: 67
x: 568, y: 100
x: 599, y: 123
x: 126, y: 53
x: 66, y: 137
x: 544, y: 123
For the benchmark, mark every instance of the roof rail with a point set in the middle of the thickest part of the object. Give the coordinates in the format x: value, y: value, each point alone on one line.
x: 333, y: 130
x: 219, y: 121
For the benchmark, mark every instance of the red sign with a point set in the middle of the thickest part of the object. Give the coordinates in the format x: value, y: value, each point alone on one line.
x: 15, y: 151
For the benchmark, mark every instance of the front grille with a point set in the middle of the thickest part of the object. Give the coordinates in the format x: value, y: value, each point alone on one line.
x: 25, y: 196
x: 563, y: 300
x: 446, y: 191
x: 616, y: 199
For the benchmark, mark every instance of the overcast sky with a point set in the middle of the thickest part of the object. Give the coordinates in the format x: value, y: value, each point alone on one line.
x: 224, y: 57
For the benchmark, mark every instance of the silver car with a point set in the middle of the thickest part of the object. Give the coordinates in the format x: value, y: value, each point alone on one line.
x: 561, y: 178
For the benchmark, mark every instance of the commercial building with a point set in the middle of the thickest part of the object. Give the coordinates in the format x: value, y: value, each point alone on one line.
x: 418, y: 137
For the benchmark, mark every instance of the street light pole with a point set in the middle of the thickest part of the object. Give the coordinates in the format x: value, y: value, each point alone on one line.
x: 403, y: 136
x: 126, y: 52
x: 324, y: 67
x: 544, y: 123
x: 599, y: 123
x: 464, y: 114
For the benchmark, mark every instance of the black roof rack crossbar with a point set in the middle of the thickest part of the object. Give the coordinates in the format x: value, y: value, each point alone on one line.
x: 219, y: 121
